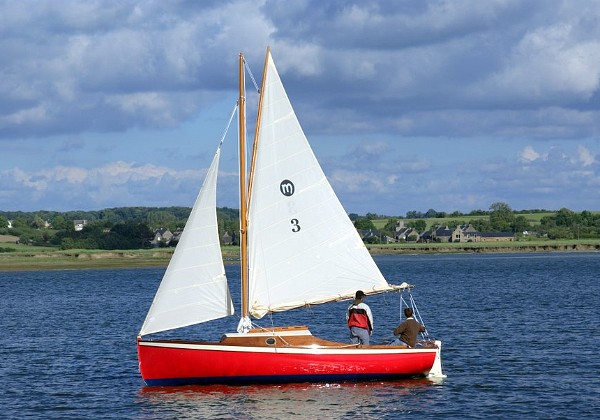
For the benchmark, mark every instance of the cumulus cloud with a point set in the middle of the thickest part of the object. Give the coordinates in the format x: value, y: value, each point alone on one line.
x: 372, y: 66
x: 528, y: 154
x: 80, y: 66
x: 500, y: 71
x: 115, y: 184
x: 550, y: 61
x: 550, y: 177
x: 585, y: 156
x: 357, y: 181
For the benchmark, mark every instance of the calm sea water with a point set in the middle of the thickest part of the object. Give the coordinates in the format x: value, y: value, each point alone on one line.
x: 521, y: 334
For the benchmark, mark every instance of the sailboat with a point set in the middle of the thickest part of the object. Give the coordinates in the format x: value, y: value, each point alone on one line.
x: 298, y: 248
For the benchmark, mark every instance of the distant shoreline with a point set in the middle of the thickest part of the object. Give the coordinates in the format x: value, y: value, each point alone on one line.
x: 81, y: 260
x: 42, y: 259
x: 101, y: 259
x: 506, y: 247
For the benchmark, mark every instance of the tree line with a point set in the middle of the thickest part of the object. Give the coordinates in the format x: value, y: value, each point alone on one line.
x: 134, y: 227
x: 114, y: 228
x: 561, y: 224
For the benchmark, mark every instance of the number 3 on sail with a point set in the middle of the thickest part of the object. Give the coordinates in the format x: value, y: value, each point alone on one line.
x: 327, y: 262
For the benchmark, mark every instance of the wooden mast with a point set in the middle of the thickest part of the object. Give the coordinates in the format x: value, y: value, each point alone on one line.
x: 246, y: 190
x: 257, y: 129
x: 243, y: 199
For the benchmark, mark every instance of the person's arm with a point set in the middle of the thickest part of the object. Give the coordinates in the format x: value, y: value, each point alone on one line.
x: 370, y: 315
x: 400, y: 329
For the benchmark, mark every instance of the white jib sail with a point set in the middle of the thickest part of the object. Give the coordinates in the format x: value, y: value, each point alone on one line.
x: 303, y: 248
x: 194, y: 287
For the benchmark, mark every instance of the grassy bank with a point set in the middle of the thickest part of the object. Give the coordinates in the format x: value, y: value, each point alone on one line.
x: 489, y: 247
x: 41, y: 258
x: 81, y: 259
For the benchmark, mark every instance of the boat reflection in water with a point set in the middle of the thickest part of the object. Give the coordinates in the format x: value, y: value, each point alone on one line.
x: 307, y: 400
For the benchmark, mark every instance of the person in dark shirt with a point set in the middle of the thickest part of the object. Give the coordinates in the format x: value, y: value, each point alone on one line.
x: 360, y: 320
x: 407, y: 331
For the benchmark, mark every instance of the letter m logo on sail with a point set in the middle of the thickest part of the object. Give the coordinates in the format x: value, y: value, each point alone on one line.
x: 287, y: 187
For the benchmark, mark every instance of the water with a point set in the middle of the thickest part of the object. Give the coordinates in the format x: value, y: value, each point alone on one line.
x: 521, y: 334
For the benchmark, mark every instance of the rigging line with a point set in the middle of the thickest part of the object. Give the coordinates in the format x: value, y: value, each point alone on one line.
x: 239, y: 156
x: 235, y: 107
x: 247, y: 67
x: 272, y: 330
x: 418, y: 316
x: 271, y: 319
x: 402, y: 301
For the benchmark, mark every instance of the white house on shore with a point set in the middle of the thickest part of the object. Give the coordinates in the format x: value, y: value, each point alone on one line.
x: 79, y: 224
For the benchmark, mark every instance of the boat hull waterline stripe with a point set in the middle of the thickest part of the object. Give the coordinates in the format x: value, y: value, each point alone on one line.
x: 275, y: 379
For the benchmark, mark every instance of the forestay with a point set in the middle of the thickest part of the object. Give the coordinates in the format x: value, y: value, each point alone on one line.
x: 194, y: 287
x: 303, y: 248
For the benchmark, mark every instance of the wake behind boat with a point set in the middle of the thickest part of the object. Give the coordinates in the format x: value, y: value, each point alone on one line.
x: 298, y: 248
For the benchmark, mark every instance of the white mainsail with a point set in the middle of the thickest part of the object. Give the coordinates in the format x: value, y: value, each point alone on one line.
x: 303, y: 248
x: 194, y: 287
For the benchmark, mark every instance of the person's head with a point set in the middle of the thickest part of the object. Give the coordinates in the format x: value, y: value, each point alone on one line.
x: 359, y: 295
x: 408, y: 312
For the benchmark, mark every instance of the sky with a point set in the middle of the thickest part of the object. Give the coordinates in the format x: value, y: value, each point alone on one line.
x: 408, y: 105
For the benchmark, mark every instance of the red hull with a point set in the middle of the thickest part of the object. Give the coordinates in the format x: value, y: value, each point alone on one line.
x: 179, y: 363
